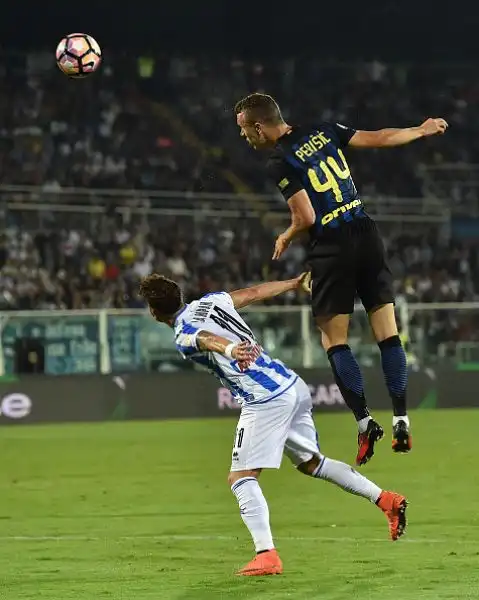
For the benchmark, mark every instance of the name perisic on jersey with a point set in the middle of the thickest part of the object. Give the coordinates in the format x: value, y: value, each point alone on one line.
x: 334, y: 214
x: 315, y: 142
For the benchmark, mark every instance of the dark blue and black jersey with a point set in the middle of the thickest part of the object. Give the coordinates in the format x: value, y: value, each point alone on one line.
x: 311, y: 158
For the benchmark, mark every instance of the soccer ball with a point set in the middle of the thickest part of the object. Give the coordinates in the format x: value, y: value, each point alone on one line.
x: 78, y: 55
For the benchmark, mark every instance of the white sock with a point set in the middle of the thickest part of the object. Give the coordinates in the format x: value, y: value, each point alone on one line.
x: 254, y: 512
x: 405, y: 418
x: 363, y: 424
x: 347, y: 478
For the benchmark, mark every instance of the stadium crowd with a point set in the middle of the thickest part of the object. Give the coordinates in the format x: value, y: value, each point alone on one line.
x: 57, y: 267
x: 106, y: 132
x: 96, y: 133
x: 368, y: 95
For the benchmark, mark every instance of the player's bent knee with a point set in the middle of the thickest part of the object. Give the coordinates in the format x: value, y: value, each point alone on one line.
x: 333, y: 329
x: 310, y: 466
x: 383, y: 321
x: 234, y: 476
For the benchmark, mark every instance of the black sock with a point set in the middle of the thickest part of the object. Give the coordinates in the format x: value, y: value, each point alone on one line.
x: 349, y: 379
x: 394, y: 364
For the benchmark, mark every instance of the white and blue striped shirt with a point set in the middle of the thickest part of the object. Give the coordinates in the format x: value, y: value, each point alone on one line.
x: 262, y: 381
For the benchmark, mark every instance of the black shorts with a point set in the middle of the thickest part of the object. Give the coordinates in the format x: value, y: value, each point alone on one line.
x: 350, y: 264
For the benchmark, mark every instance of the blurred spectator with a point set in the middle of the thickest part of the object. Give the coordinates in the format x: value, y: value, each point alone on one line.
x: 77, y: 269
x: 96, y: 267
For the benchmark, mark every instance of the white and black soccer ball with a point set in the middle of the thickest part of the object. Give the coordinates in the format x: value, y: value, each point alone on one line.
x: 78, y: 55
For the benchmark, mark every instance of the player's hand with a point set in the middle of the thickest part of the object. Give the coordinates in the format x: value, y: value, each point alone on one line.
x: 304, y: 282
x: 246, y: 354
x: 280, y: 246
x: 434, y: 127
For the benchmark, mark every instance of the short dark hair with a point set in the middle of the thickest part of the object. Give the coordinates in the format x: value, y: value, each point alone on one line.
x: 163, y: 295
x: 260, y: 108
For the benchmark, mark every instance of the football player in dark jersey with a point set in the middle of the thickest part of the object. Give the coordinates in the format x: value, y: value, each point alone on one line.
x: 346, y: 254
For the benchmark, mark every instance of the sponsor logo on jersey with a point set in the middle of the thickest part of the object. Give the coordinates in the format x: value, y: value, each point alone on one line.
x: 344, y: 208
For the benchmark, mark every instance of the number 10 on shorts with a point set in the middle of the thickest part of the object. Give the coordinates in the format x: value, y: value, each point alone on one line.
x: 239, y: 438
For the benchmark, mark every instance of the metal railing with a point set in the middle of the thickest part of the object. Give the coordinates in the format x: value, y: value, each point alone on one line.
x: 121, y: 341
x: 98, y: 201
x: 454, y: 183
x: 115, y: 340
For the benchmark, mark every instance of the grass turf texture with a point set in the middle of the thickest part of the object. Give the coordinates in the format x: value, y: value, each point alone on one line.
x: 142, y: 510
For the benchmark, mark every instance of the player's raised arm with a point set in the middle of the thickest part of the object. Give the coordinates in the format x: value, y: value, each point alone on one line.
x: 388, y: 138
x: 264, y: 291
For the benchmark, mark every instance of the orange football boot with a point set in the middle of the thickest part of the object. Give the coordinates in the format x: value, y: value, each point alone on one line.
x: 265, y: 563
x: 394, y: 507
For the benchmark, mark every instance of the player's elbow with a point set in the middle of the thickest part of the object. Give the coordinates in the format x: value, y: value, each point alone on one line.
x: 368, y: 139
x: 310, y: 218
x: 305, y: 219
x: 302, y: 211
x: 253, y: 296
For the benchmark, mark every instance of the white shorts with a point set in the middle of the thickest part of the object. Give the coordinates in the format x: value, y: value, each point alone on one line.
x: 265, y: 431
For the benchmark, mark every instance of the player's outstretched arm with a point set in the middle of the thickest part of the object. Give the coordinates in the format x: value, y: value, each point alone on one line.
x: 264, y: 291
x: 388, y: 138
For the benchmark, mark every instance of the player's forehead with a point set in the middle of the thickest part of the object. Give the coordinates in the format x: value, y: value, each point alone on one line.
x: 241, y: 119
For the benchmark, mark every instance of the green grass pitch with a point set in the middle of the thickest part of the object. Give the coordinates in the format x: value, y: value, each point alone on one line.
x: 137, y: 511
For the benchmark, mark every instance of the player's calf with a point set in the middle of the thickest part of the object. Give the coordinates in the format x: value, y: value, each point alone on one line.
x: 393, y: 505
x: 341, y: 474
x: 255, y: 514
x: 394, y: 366
x: 348, y: 377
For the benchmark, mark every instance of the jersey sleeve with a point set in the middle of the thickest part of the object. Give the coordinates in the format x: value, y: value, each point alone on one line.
x: 283, y: 176
x: 341, y: 134
x: 186, y: 340
x: 223, y: 297
x: 227, y: 299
